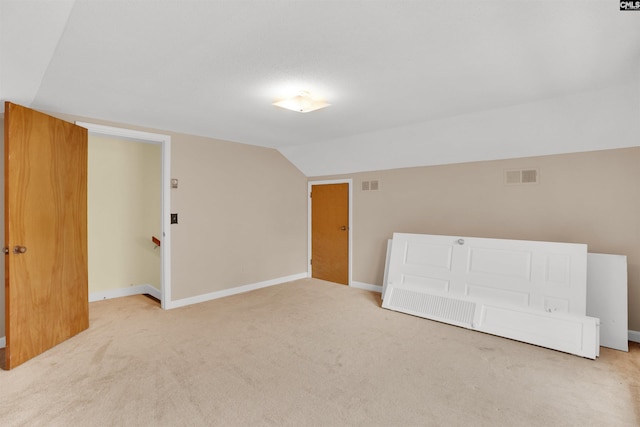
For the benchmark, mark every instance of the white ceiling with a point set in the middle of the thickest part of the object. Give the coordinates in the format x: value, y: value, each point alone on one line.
x: 213, y: 68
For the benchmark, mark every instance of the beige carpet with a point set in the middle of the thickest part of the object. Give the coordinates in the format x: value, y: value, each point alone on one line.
x: 308, y: 353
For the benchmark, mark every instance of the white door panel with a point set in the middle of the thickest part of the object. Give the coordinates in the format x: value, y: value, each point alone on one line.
x: 524, y: 290
x: 607, y: 298
x: 511, y: 264
x: 560, y: 331
x: 543, y: 275
x: 484, y: 292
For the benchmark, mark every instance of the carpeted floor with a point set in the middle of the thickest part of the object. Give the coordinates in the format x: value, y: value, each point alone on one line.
x: 308, y: 353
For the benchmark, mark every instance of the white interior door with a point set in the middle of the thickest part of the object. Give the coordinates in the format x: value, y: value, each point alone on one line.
x: 533, y: 292
x: 543, y: 275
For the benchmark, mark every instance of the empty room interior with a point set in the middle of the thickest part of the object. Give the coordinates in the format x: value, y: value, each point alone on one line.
x: 278, y: 212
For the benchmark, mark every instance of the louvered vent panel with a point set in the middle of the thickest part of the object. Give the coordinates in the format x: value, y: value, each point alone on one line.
x: 434, y: 306
x: 521, y: 176
x: 529, y: 176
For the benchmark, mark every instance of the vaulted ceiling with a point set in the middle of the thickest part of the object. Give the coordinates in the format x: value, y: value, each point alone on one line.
x: 401, y: 75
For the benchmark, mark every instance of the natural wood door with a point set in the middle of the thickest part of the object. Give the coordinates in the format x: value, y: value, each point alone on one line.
x: 330, y: 232
x: 46, y: 291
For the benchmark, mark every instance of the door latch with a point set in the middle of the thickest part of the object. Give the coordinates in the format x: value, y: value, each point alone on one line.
x: 19, y: 249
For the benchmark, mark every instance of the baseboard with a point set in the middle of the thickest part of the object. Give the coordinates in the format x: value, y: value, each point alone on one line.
x: 233, y: 291
x: 634, y: 336
x: 3, y: 342
x: 125, y: 292
x: 367, y: 286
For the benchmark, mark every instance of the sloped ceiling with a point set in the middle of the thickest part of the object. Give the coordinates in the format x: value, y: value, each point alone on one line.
x: 399, y: 74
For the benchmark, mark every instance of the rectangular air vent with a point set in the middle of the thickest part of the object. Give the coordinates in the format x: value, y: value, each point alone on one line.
x: 372, y: 185
x: 443, y: 309
x: 521, y: 176
x: 529, y: 176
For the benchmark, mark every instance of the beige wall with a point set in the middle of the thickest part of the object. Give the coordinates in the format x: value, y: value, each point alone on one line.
x: 124, y: 208
x: 242, y: 213
x: 591, y: 198
x: 243, y: 216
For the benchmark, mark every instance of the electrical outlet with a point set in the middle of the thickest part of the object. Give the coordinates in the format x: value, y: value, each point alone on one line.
x: 174, y: 218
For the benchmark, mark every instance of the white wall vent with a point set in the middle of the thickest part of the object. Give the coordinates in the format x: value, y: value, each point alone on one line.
x: 451, y: 310
x: 521, y: 176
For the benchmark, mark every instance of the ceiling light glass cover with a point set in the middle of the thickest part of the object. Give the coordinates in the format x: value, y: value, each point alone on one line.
x: 302, y: 103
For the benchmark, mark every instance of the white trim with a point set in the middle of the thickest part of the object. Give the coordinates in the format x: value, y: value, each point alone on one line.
x: 367, y: 286
x: 165, y: 248
x: 331, y: 181
x: 3, y: 342
x: 634, y: 336
x: 125, y: 292
x: 237, y: 290
x: 124, y: 133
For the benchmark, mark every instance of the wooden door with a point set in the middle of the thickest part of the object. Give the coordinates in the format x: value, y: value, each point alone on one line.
x: 46, y: 291
x: 330, y: 232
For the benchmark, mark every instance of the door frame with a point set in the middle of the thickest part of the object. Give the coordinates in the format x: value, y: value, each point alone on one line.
x: 165, y: 247
x: 310, y: 184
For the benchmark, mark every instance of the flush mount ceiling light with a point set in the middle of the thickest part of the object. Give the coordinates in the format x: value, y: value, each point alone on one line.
x: 302, y: 103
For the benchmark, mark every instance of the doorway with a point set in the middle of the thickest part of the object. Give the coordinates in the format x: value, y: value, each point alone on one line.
x: 164, y: 142
x: 124, y: 215
x: 330, y: 231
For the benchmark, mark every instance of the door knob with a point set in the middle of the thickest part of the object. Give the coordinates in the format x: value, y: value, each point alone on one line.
x: 19, y: 249
x: 343, y: 228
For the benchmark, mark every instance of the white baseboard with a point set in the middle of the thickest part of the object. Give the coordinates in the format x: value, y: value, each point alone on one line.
x: 634, y: 336
x: 233, y: 291
x: 125, y: 292
x: 367, y: 286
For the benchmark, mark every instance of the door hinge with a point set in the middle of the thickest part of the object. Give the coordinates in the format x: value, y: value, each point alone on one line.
x: 310, y: 262
x: 310, y: 194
